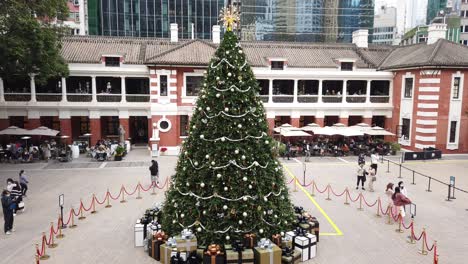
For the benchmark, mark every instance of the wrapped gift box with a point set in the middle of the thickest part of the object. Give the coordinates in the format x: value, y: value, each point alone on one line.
x: 306, y: 243
x: 244, y: 256
x: 166, y: 252
x: 186, y: 245
x: 139, y: 234
x: 178, y: 257
x: 250, y: 240
x: 154, y: 248
x: 214, y: 255
x: 286, y: 242
x: 267, y: 253
x: 277, y: 239
x: 292, y: 256
x: 193, y: 258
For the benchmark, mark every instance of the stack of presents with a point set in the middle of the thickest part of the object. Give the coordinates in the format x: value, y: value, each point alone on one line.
x: 291, y: 247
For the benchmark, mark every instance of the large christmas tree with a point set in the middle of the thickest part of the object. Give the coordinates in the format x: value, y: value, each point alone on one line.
x: 228, y: 181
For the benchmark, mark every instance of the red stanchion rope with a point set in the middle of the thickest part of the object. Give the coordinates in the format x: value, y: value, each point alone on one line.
x: 118, y: 196
x: 394, y: 218
x: 407, y: 227
x: 145, y: 190
x: 425, y: 240
x: 164, y: 185
x: 337, y: 195
x: 353, y: 200
x: 132, y: 193
x: 103, y: 201
x: 69, y: 217
x: 414, y: 236
x: 370, y: 205
x: 90, y: 206
x: 436, y: 257
x: 316, y: 188
x: 287, y: 183
x: 79, y: 211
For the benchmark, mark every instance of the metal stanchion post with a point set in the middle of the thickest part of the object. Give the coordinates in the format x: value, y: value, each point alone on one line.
x: 378, y: 207
x: 400, y: 220
x: 44, y: 255
x: 313, y: 188
x: 328, y: 192
x: 400, y: 172
x: 81, y: 211
x: 346, y: 196
x: 413, y: 179
x: 360, y: 202
x: 59, y: 226
x: 139, y: 194
x: 52, y: 243
x: 73, y: 225
x: 93, y: 203
x: 389, y: 212
x: 108, y: 205
x: 423, y: 247
x: 123, y: 195
x: 429, y: 185
x: 449, y: 191
x: 295, y: 184
x: 388, y: 166
x: 154, y: 188
x: 412, y: 241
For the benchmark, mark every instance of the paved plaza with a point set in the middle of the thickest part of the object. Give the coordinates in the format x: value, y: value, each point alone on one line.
x: 348, y: 235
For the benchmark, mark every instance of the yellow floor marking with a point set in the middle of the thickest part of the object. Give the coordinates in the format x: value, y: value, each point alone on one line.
x: 338, y: 231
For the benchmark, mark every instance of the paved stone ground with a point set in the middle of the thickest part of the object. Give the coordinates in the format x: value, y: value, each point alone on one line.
x: 107, y: 237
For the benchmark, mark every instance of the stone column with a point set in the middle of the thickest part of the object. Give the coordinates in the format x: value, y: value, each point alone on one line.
x: 64, y: 89
x: 345, y: 82
x: 123, y: 90
x: 93, y: 89
x: 295, y: 91
x: 2, y: 91
x: 270, y: 91
x: 95, y: 130
x: 66, y: 129
x: 320, y: 91
x: 33, y: 88
x: 368, y: 91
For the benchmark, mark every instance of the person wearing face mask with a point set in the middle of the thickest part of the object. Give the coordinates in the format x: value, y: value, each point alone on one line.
x: 400, y: 200
x: 8, y: 206
x: 403, y: 190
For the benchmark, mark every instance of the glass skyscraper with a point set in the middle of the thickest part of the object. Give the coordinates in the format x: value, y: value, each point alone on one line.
x: 152, y: 18
x: 305, y: 20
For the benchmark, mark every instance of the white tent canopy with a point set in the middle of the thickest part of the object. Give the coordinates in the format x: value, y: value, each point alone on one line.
x: 285, y: 127
x: 294, y: 133
x: 378, y: 131
x: 13, y: 130
x: 311, y: 127
x: 43, y: 131
x: 326, y: 131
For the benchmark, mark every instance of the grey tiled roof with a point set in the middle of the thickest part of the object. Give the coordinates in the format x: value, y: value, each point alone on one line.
x: 442, y: 53
x: 89, y: 49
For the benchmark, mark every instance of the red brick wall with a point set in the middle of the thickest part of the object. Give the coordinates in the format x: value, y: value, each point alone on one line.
x: 32, y: 123
x: 4, y: 123
x: 66, y: 129
x: 271, y: 125
x: 367, y: 120
x: 343, y: 120
x: 170, y: 138
x: 294, y: 122
x: 95, y: 127
x: 320, y: 121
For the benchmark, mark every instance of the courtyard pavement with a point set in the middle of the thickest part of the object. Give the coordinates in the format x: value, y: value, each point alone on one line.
x: 349, y: 235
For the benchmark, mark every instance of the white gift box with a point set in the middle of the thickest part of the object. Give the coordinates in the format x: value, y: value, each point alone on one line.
x: 183, y: 255
x: 139, y: 234
x: 307, y: 245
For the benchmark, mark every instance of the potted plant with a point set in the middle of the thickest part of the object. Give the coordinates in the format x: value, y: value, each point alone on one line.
x: 119, y: 152
x: 395, y: 147
x: 162, y: 150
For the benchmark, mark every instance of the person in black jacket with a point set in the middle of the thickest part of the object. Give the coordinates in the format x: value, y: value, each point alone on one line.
x: 154, y: 170
x: 8, y: 206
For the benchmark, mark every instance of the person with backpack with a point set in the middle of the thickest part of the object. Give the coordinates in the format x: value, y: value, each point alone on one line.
x: 23, y: 181
x: 154, y: 171
x: 8, y: 206
x: 400, y: 200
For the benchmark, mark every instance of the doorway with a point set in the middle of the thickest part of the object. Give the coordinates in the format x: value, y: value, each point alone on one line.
x: 139, y: 129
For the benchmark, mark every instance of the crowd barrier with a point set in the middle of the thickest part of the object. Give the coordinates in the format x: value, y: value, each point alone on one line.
x: 390, y: 212
x: 56, y: 231
x: 450, y: 188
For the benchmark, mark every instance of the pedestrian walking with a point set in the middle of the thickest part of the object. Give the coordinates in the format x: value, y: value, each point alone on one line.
x: 372, y: 179
x: 400, y: 200
x: 288, y: 150
x: 23, y: 180
x: 361, y: 158
x: 154, y: 171
x: 403, y: 190
x: 7, y: 206
x: 10, y: 184
x: 17, y: 197
x: 361, y: 176
x: 374, y: 161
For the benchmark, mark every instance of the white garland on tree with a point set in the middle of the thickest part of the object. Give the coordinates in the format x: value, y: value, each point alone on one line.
x: 225, y: 198
x: 231, y: 162
x: 232, y: 87
x: 229, y: 64
x: 234, y: 140
x: 229, y: 115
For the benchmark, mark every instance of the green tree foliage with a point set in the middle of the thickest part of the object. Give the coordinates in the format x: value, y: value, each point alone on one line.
x: 29, y: 42
x: 228, y: 181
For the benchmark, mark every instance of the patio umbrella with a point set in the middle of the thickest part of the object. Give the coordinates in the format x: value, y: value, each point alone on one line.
x: 284, y: 127
x: 43, y: 131
x: 349, y: 132
x: 339, y: 125
x: 362, y: 125
x: 326, y: 131
x: 13, y: 130
x: 310, y: 127
x: 294, y: 133
x: 360, y: 128
x: 378, y: 131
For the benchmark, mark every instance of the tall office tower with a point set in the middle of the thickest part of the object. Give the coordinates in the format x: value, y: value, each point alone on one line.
x: 305, y: 20
x: 151, y: 18
x: 433, y: 9
x: 385, y: 26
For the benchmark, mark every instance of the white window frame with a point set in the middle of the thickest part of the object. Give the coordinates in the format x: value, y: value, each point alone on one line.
x: 284, y: 60
x: 460, y: 87
x: 455, y: 111
x: 184, y: 88
x: 406, y: 142
x: 403, y: 86
x: 159, y: 84
x: 168, y: 122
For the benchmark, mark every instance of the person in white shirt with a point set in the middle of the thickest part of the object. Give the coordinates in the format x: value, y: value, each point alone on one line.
x: 403, y: 190
x: 374, y: 161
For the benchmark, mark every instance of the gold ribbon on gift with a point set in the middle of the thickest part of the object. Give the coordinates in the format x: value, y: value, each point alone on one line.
x: 160, y: 235
x: 251, y: 238
x: 213, y: 251
x: 277, y: 239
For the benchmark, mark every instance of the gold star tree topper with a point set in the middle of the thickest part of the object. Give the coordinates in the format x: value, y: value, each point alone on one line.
x: 230, y: 17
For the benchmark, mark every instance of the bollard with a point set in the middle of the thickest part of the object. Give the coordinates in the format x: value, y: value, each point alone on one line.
x: 295, y: 184
x: 423, y: 247
x: 388, y: 166
x: 389, y: 212
x: 123, y: 195
x: 328, y: 192
x: 360, y: 202
x: 72, y: 219
x: 60, y: 235
x: 108, y: 205
x: 400, y: 172
x: 139, y: 196
x: 346, y: 196
x: 313, y: 188
x: 93, y: 203
x: 378, y: 207
x: 413, y: 179
x: 429, y: 185
x: 37, y: 257
x: 449, y: 191
x: 52, y: 243
x: 412, y: 240
x: 154, y: 188
x: 81, y: 211
x: 400, y: 220
x: 44, y: 255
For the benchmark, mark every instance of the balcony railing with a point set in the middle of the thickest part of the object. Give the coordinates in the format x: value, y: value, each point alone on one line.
x: 380, y: 98
x: 283, y: 98
x: 264, y: 98
x: 356, y: 98
x: 332, y: 98
x: 307, y: 98
x: 79, y: 97
x: 109, y: 97
x: 138, y: 98
x: 49, y: 97
x: 17, y: 97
